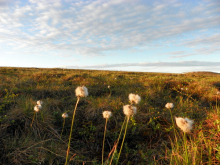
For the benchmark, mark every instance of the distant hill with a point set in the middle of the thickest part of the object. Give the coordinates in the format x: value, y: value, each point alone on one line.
x: 203, y: 73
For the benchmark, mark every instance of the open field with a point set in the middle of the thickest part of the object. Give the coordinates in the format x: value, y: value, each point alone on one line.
x: 152, y: 136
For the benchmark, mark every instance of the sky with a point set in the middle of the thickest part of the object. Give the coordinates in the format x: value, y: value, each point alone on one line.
x: 167, y: 36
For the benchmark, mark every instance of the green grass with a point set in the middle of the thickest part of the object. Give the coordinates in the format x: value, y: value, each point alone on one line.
x: 150, y: 138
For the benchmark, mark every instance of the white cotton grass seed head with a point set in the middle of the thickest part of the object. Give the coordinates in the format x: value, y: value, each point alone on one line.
x: 134, y: 110
x: 169, y: 105
x: 107, y: 114
x: 40, y: 106
x: 39, y: 102
x: 64, y: 115
x: 134, y: 98
x: 81, y: 91
x: 37, y: 108
x: 129, y: 110
x: 184, y: 124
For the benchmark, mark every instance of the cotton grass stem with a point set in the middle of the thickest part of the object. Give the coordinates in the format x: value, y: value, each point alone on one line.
x: 62, y: 128
x: 33, y: 119
x: 68, y: 149
x: 117, y: 141
x: 36, y: 109
x: 173, y: 124
x: 186, y: 151
x: 64, y: 116
x: 103, y: 145
x: 123, y: 139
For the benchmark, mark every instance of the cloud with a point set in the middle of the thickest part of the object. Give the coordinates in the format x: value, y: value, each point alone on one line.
x: 94, y: 27
x: 201, y: 45
x: 3, y: 3
x: 154, y: 64
x: 205, y: 40
x: 205, y: 45
x: 180, y: 56
x: 163, y: 67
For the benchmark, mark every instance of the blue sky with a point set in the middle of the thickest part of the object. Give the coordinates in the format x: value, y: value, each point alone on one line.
x: 130, y: 35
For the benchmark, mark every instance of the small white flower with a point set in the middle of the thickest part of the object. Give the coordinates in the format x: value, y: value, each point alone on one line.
x: 134, y: 98
x: 169, y: 105
x: 218, y: 93
x: 184, y: 124
x: 129, y: 110
x: 107, y: 114
x: 37, y: 108
x: 109, y: 86
x: 39, y: 102
x: 64, y: 115
x: 81, y: 91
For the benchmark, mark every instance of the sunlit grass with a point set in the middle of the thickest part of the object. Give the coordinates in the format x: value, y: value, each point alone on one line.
x: 152, y: 137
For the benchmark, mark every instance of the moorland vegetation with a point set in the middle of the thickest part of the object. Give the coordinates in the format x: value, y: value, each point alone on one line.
x: 34, y: 132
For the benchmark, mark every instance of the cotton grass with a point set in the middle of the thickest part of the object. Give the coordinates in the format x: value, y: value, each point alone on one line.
x: 169, y: 105
x: 129, y: 111
x: 134, y: 98
x: 64, y: 116
x: 39, y: 102
x: 184, y: 124
x: 37, y: 109
x: 80, y: 91
x: 106, y: 116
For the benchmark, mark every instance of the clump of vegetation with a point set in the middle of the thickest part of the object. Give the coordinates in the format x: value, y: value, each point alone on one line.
x: 152, y: 135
